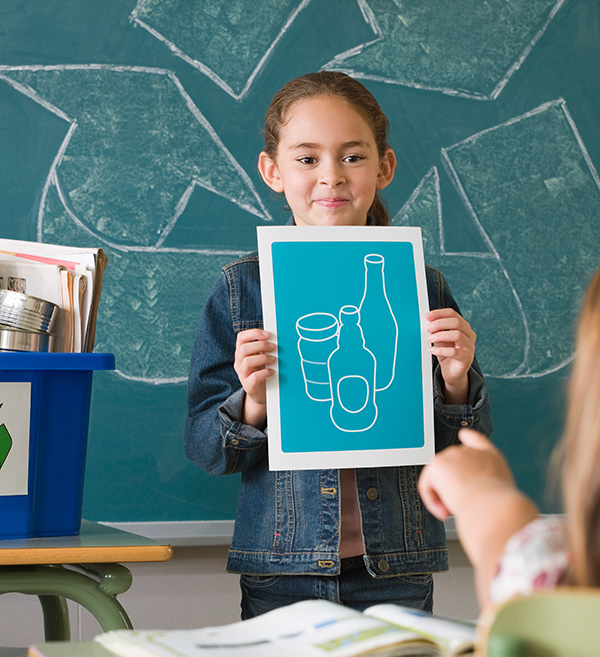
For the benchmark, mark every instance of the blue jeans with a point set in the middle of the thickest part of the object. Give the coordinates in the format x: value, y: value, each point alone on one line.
x: 354, y: 587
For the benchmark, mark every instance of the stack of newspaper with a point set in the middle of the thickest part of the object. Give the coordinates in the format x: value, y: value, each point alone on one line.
x: 70, y: 277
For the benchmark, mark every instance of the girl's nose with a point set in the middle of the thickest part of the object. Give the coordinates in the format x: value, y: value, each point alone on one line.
x: 332, y: 174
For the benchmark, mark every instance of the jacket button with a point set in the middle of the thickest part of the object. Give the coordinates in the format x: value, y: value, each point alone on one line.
x: 383, y: 565
x: 372, y: 493
x: 235, y: 441
x: 464, y: 423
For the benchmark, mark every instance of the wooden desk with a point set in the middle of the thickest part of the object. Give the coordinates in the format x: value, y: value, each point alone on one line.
x: 84, y: 568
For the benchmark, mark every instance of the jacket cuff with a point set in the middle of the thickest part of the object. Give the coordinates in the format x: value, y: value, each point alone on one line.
x: 233, y: 431
x: 460, y: 415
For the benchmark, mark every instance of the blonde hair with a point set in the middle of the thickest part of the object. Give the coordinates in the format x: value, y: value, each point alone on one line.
x: 340, y: 85
x: 581, y: 444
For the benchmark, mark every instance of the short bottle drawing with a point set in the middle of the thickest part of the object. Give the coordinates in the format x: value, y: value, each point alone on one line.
x: 352, y: 368
x: 318, y: 338
x: 378, y: 322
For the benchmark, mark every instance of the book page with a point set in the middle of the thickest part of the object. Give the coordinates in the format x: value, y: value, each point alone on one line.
x: 312, y: 628
x: 456, y: 636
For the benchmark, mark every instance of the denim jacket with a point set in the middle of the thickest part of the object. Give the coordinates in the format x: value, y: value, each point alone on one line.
x: 288, y: 522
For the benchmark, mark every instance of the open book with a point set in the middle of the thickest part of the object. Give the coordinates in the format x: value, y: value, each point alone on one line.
x: 309, y: 628
x: 70, y: 277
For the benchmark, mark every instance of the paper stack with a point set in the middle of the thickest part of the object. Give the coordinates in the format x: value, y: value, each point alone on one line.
x: 70, y: 277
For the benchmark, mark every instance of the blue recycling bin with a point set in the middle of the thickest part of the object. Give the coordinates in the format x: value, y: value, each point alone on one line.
x: 44, y: 417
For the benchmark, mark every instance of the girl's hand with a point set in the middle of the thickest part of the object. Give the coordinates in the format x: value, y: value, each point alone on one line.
x: 453, y: 342
x: 252, y: 365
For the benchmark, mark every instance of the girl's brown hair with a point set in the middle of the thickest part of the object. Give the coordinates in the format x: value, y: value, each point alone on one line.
x: 340, y: 85
x: 581, y: 443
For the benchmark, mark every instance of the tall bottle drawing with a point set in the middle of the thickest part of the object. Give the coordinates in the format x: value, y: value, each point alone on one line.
x: 352, y: 369
x: 377, y: 320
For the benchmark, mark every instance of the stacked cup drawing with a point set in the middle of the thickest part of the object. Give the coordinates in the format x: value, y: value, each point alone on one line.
x: 318, y: 338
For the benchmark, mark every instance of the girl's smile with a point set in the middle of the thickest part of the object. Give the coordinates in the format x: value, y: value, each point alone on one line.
x: 327, y: 163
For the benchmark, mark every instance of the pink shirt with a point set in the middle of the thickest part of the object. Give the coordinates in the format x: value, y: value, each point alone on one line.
x: 351, y: 541
x: 535, y: 558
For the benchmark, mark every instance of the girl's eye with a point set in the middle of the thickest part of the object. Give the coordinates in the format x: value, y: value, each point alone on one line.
x: 353, y: 158
x: 306, y: 159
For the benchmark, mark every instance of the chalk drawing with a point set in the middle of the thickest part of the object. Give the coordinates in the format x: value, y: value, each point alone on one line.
x: 464, y: 48
x: 500, y: 343
x: 225, y: 41
x: 146, y: 299
x: 530, y: 188
x: 135, y: 149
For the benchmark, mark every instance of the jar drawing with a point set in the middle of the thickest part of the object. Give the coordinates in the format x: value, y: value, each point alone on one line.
x: 318, y: 339
x: 378, y: 322
x: 352, y: 370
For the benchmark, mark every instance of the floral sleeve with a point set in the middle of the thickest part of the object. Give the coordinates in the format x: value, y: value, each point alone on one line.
x: 535, y: 558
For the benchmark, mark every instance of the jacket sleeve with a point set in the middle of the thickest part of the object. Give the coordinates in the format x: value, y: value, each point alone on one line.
x: 449, y: 418
x: 215, y: 437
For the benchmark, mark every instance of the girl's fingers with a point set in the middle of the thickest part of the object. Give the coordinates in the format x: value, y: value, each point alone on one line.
x: 251, y: 335
x: 452, y: 336
x: 447, y: 319
x: 451, y: 352
x: 255, y: 379
x: 254, y: 363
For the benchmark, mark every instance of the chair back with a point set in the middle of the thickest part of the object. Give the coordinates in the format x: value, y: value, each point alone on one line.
x: 560, y: 623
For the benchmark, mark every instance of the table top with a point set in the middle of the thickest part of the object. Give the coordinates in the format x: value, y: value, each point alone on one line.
x: 95, y: 543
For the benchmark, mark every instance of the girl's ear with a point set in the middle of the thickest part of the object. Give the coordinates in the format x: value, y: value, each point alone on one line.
x: 269, y: 172
x: 387, y: 166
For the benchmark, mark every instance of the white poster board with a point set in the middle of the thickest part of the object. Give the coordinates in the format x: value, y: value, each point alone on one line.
x: 353, y: 379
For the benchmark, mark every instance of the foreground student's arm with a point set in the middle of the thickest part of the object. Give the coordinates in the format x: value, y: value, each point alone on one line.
x: 473, y: 483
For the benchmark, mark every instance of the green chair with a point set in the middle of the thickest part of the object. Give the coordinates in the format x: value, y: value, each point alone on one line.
x: 560, y: 623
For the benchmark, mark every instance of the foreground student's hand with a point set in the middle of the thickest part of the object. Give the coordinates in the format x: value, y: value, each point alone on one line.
x: 473, y: 482
x: 252, y: 365
x: 453, y: 342
x: 461, y: 471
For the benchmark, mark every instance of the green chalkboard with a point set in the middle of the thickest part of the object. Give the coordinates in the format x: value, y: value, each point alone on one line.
x: 135, y: 126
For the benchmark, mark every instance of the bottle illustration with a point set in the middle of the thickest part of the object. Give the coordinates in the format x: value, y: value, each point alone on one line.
x: 352, y: 369
x: 378, y: 322
x: 318, y: 338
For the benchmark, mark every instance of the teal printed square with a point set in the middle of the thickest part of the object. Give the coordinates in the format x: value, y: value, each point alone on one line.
x: 376, y: 399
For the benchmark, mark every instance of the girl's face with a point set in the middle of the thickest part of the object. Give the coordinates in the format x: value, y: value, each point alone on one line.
x: 327, y: 163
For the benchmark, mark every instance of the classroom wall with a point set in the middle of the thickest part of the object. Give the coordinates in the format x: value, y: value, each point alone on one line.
x: 193, y: 590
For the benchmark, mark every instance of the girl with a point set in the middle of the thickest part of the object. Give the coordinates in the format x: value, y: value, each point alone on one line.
x: 355, y: 537
x: 512, y: 549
